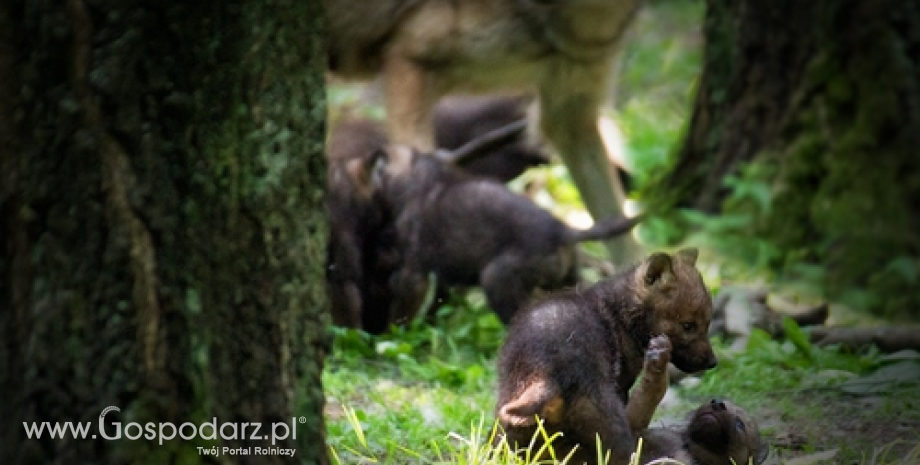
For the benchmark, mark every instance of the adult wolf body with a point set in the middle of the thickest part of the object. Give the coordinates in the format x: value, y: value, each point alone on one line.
x: 562, y: 50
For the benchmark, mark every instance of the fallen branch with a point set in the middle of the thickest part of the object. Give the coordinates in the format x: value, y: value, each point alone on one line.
x: 886, y: 338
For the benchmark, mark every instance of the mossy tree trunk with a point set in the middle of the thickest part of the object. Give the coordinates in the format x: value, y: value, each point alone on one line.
x: 805, y: 140
x: 161, y: 224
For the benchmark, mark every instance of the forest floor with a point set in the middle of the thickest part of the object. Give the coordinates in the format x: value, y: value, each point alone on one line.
x: 425, y: 394
x: 832, y: 407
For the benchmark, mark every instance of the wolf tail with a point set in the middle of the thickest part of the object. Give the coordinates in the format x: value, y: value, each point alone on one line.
x: 603, y: 229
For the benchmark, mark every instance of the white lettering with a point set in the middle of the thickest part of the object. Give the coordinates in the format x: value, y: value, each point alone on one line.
x: 81, y: 430
x: 273, y: 451
x: 102, y: 429
x: 191, y: 436
x: 287, y: 432
x: 168, y: 431
x: 151, y: 432
x: 224, y: 435
x: 140, y: 431
x: 236, y: 451
x: 213, y: 426
x: 171, y: 436
x: 255, y: 436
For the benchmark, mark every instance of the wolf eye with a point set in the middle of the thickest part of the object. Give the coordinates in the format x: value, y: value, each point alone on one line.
x: 739, y: 424
x: 689, y: 326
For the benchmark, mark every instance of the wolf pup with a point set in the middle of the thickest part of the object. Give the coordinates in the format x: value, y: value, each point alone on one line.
x: 561, y: 50
x: 469, y: 230
x: 719, y: 433
x: 571, y: 359
x: 360, y: 249
x: 361, y: 252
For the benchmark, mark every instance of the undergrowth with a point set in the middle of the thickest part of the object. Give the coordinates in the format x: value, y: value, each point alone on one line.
x: 426, y: 393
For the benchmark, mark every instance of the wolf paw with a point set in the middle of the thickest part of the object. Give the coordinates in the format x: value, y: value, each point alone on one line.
x: 658, y: 354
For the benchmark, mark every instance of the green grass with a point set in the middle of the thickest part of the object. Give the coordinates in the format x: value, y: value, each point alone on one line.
x: 811, y: 399
x: 425, y: 394
x: 410, y: 389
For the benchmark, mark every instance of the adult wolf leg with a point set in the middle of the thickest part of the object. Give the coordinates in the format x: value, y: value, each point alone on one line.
x: 569, y: 107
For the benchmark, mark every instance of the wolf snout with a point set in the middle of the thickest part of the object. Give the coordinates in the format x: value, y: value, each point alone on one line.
x: 711, y: 362
x: 694, y: 357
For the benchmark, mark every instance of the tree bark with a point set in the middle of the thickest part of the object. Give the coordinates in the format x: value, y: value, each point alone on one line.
x: 805, y: 131
x: 161, y: 225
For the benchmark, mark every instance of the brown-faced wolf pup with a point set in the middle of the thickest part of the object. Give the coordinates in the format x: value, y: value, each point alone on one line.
x: 361, y: 253
x: 719, y: 433
x: 571, y: 359
x: 561, y: 50
x: 473, y: 231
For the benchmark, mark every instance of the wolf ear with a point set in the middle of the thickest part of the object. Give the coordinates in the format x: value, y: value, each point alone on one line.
x: 688, y: 256
x: 656, y: 265
x: 360, y: 172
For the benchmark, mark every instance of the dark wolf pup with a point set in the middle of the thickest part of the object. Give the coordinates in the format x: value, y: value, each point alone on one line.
x: 571, y: 359
x: 359, y: 250
x: 719, y: 433
x: 470, y: 230
x: 361, y: 253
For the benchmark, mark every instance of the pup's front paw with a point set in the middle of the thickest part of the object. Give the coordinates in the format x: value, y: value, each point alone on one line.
x: 658, y: 354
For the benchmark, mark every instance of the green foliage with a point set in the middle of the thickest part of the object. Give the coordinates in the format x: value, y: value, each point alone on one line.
x: 657, y: 81
x: 430, y: 351
x: 767, y: 229
x: 834, y: 172
x: 798, y: 338
x: 480, y: 447
x: 813, y: 388
x: 410, y: 386
x: 769, y: 366
x: 394, y: 402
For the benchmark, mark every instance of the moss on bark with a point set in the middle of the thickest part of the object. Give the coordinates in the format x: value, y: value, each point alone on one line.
x: 805, y: 128
x: 161, y: 222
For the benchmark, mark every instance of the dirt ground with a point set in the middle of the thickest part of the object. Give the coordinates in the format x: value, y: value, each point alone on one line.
x: 831, y: 425
x: 846, y: 428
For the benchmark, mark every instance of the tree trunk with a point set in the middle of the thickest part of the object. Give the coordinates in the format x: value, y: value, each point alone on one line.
x: 161, y: 225
x: 804, y: 139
